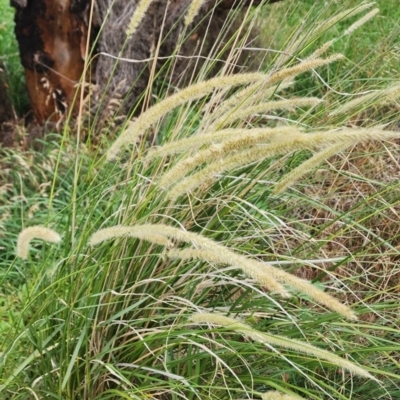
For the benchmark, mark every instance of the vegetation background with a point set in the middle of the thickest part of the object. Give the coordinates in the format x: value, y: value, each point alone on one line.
x: 114, y: 320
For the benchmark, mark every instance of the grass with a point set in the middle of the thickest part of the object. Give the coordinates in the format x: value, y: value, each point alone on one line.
x: 371, y: 53
x: 9, y: 55
x: 116, y: 320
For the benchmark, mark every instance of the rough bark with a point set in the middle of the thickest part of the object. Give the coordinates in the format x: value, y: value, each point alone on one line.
x: 52, y: 36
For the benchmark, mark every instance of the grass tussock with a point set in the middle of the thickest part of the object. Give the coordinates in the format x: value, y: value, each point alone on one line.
x: 186, y: 270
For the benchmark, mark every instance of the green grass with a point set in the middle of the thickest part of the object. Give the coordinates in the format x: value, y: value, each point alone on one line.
x: 113, y: 321
x: 9, y: 54
x: 371, y: 52
x: 373, y: 48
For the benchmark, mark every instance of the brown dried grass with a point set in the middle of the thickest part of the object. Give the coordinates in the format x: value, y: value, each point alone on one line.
x: 351, y: 210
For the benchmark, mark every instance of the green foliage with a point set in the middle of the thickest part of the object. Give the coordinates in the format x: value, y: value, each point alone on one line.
x: 9, y: 54
x: 371, y: 52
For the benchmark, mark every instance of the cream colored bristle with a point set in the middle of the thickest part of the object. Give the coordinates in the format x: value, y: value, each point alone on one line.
x: 279, y: 341
x: 34, y: 232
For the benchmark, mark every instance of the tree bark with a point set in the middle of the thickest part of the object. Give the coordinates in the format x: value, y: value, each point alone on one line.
x: 52, y: 37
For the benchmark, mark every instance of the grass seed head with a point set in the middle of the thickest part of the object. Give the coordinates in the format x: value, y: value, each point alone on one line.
x: 240, y: 139
x: 137, y: 17
x: 298, y: 172
x: 275, y: 395
x: 230, y: 258
x: 137, y: 231
x: 289, y: 143
x: 193, y: 10
x: 304, y: 66
x: 34, y: 232
x: 234, y: 115
x: 193, y: 92
x: 279, y: 341
x: 361, y: 21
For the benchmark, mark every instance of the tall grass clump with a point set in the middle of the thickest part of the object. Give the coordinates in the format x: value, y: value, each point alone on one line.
x: 195, y: 259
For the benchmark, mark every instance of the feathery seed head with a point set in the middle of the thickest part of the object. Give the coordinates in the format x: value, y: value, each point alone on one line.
x: 289, y: 143
x: 193, y: 10
x: 143, y: 232
x: 153, y: 233
x: 304, y: 66
x: 343, y: 15
x: 193, y: 92
x: 252, y: 93
x: 237, y: 139
x: 302, y: 40
x: 212, y: 251
x: 377, y: 96
x: 323, y: 49
x: 361, y: 21
x: 315, y: 293
x: 234, y: 115
x: 275, y: 395
x: 279, y: 341
x: 192, y: 143
x: 34, y: 232
x: 138, y: 16
x: 298, y: 172
x: 228, y: 257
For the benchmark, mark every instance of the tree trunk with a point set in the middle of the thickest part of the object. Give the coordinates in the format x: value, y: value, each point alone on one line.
x: 52, y: 37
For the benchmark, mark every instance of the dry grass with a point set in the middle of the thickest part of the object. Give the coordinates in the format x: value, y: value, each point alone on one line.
x: 350, y: 209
